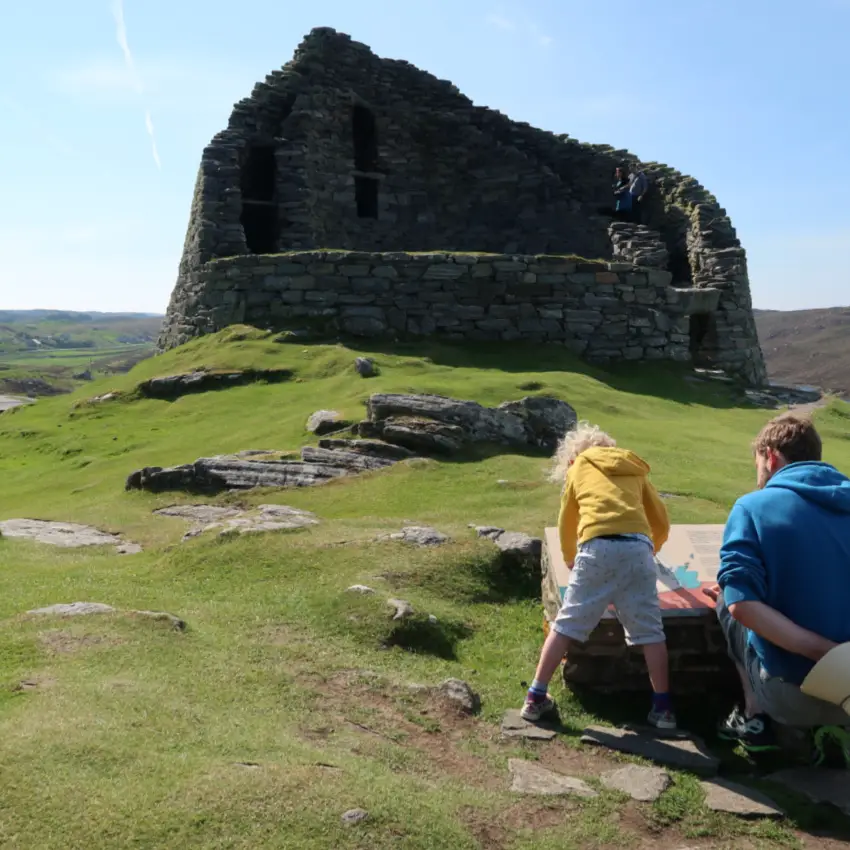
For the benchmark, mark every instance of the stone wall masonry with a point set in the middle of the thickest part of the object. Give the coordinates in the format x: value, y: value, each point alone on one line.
x: 450, y: 176
x: 603, y: 311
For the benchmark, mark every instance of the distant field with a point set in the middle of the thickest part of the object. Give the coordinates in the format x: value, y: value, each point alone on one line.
x: 72, y: 356
x: 46, y: 352
x: 807, y: 346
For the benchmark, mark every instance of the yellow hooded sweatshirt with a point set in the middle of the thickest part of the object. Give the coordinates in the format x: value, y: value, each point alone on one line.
x: 607, y: 492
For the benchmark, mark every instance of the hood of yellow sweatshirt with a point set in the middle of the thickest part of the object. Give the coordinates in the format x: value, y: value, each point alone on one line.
x: 614, y: 461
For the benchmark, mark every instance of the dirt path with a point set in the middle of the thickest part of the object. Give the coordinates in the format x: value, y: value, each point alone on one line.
x: 810, y: 407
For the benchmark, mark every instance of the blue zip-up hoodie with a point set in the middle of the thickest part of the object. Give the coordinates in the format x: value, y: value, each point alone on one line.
x: 788, y: 546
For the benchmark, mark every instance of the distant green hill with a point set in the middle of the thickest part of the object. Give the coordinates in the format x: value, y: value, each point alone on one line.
x: 47, y: 351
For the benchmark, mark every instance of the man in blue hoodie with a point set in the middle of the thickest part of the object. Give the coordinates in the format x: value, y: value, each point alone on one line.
x: 785, y: 581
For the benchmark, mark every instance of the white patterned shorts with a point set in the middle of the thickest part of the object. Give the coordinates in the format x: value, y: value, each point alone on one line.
x: 613, y: 571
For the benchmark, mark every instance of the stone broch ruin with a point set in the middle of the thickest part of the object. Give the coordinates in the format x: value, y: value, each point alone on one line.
x: 360, y: 195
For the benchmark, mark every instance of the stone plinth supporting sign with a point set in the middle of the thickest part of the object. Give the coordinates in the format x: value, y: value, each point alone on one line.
x: 686, y: 565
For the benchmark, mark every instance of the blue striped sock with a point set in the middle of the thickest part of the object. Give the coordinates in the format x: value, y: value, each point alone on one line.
x: 538, y: 691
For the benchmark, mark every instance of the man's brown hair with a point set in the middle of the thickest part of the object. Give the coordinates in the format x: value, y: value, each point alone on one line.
x: 794, y: 437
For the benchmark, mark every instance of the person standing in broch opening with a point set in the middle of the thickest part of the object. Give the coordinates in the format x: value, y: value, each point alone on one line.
x: 611, y: 523
x: 622, y: 195
x: 638, y: 185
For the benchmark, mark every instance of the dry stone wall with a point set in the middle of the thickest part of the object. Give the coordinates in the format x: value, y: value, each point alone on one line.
x: 344, y: 149
x: 605, y: 311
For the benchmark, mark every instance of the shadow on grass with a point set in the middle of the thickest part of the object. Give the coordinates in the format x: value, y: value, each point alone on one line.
x: 479, y: 452
x: 171, y: 388
x: 698, y: 713
x: 818, y: 820
x: 658, y: 379
x: 479, y: 577
x: 425, y: 637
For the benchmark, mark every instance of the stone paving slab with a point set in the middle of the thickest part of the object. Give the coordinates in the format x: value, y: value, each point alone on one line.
x: 683, y: 753
x: 817, y: 784
x: 513, y: 726
x: 724, y: 796
x: 529, y: 778
x: 644, y: 784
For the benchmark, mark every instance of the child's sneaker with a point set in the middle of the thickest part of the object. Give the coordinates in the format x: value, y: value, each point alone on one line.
x: 663, y: 719
x: 535, y: 710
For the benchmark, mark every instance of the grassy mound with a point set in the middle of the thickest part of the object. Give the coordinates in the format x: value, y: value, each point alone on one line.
x: 287, y: 700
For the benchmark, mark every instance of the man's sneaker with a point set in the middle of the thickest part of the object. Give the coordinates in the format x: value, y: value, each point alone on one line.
x: 754, y: 734
x: 662, y: 719
x: 535, y: 710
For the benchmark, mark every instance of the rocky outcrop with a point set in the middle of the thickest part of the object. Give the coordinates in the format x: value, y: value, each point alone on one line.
x: 418, y: 535
x: 405, y: 424
x: 173, y: 386
x: 371, y: 448
x: 446, y: 424
x: 205, y: 518
x: 417, y: 435
x: 325, y: 422
x: 227, y: 472
x: 349, y: 461
x: 87, y: 609
x: 461, y: 695
x: 365, y: 367
x: 520, y: 548
x: 65, y: 534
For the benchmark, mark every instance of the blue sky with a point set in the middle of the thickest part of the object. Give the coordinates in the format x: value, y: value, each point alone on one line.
x: 749, y: 96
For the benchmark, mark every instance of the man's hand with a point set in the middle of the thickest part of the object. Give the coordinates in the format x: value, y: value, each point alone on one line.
x: 713, y: 593
x: 771, y: 625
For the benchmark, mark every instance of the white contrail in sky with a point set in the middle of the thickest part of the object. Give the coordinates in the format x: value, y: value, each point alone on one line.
x: 135, y: 78
x: 149, y: 125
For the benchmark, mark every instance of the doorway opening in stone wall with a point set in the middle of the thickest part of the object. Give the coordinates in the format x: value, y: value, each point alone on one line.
x: 259, y: 173
x: 703, y: 338
x: 259, y: 211
x: 365, y: 134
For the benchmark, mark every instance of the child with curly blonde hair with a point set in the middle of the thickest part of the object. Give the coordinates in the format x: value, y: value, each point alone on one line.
x: 611, y: 523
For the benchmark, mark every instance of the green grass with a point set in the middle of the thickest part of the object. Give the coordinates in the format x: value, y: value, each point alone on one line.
x: 130, y: 734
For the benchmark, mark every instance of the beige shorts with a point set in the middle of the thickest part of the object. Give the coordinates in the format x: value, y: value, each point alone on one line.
x: 613, y: 571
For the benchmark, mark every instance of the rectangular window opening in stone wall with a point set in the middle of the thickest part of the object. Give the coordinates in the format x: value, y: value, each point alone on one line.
x: 365, y: 135
x: 259, y: 173
x: 703, y: 338
x: 366, y: 195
